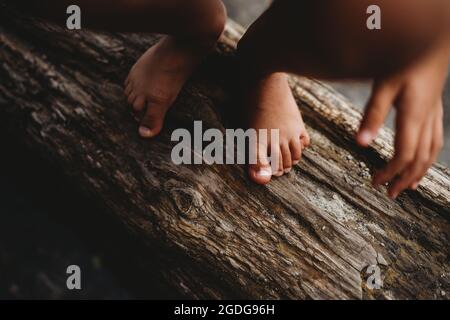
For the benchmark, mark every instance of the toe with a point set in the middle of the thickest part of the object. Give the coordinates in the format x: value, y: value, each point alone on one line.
x: 305, y: 139
x: 152, y: 122
x: 280, y: 169
x: 139, y: 104
x: 128, y: 89
x: 296, y: 151
x: 131, y: 98
x: 259, y: 168
x: 287, y: 158
x: 260, y: 174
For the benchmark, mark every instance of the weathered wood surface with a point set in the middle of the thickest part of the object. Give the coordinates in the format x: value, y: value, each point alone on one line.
x: 211, y: 232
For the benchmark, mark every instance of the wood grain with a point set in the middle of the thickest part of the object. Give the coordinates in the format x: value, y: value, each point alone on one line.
x: 211, y: 232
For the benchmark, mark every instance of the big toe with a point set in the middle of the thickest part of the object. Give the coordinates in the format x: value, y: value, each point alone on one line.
x: 139, y: 104
x: 260, y: 174
x: 152, y: 122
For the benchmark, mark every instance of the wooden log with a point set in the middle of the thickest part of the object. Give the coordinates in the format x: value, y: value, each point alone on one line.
x: 210, y: 231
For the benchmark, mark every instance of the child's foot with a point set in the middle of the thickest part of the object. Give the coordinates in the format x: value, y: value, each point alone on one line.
x: 272, y: 106
x: 157, y: 78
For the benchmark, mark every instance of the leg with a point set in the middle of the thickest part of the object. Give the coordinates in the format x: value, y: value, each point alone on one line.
x: 192, y: 29
x: 188, y: 19
x: 271, y: 105
x: 270, y: 102
x: 329, y: 39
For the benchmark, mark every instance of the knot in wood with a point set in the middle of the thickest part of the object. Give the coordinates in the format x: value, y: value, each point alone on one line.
x: 187, y: 200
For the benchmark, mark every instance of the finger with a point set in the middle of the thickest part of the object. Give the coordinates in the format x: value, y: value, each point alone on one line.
x: 377, y: 110
x: 437, y: 142
x: 438, y: 133
x: 415, y: 171
x: 415, y: 185
x: 409, y: 122
x: 287, y: 157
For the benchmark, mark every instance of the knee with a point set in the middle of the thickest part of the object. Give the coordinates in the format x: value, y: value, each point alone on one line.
x: 213, y: 19
x: 220, y: 19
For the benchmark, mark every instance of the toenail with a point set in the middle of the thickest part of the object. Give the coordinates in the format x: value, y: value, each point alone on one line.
x: 264, y: 172
x: 145, y: 132
x: 278, y: 173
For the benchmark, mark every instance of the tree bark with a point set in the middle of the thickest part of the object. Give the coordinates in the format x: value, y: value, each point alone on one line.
x: 210, y: 231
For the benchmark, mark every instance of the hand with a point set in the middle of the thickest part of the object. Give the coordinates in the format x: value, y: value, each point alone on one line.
x: 417, y: 94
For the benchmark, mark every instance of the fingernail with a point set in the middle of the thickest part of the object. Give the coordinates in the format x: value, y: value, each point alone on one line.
x: 287, y: 170
x: 365, y: 137
x: 296, y: 162
x: 264, y: 172
x: 145, y: 132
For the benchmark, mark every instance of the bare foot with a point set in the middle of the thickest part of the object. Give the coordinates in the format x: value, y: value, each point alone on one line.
x: 157, y: 78
x: 272, y: 106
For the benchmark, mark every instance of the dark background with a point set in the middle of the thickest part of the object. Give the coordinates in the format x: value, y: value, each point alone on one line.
x: 45, y: 225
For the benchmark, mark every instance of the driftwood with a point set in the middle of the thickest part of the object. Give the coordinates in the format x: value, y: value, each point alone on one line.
x: 210, y: 232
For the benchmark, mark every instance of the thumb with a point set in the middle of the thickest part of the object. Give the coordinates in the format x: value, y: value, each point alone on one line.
x: 376, y: 112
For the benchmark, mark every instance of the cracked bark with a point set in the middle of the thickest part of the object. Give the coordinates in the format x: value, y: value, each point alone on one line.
x: 210, y: 232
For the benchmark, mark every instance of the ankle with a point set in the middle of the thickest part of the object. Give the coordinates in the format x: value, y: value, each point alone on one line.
x: 275, y: 90
x: 257, y: 80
